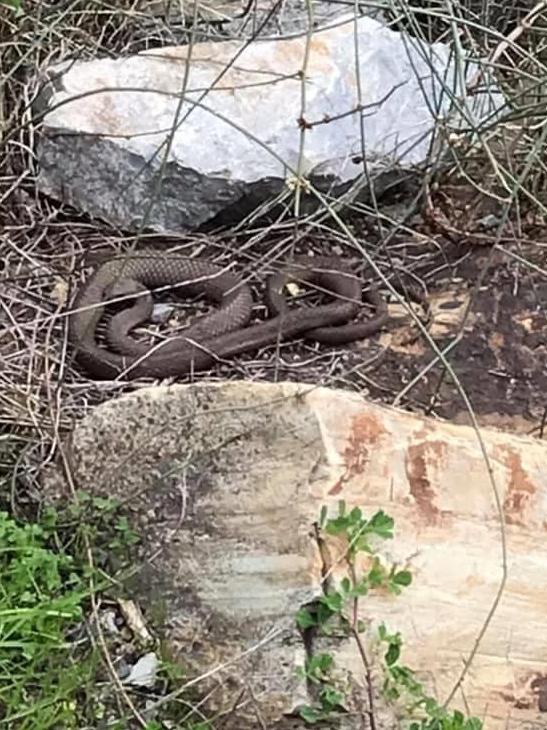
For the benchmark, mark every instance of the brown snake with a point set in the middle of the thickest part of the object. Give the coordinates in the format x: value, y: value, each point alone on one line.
x: 223, y: 333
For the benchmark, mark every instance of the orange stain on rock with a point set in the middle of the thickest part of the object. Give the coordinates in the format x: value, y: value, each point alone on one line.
x: 421, y: 459
x: 520, y: 489
x: 365, y: 433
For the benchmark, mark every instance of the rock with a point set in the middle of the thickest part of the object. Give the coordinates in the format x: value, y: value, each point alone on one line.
x: 107, y: 122
x: 143, y: 672
x: 224, y: 484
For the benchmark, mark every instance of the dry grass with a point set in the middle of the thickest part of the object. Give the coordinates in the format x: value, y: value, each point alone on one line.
x: 45, y: 248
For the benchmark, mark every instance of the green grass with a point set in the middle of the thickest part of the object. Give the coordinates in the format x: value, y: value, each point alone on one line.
x: 52, y: 673
x: 43, y: 675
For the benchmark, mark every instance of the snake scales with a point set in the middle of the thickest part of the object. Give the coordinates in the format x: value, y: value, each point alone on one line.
x: 222, y: 334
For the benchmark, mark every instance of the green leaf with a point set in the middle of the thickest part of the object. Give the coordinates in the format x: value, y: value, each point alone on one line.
x: 309, y: 715
x: 432, y: 708
x: 323, y: 662
x: 345, y: 585
x: 305, y: 619
x: 405, y: 677
x: 392, y: 654
x: 360, y: 589
x: 323, y: 516
x: 324, y: 614
x: 361, y: 546
x: 318, y: 666
x: 331, y: 698
x: 458, y: 718
x: 333, y: 601
x: 403, y: 578
x: 391, y: 692
x: 473, y: 723
x: 377, y: 574
x: 336, y: 525
x: 382, y: 525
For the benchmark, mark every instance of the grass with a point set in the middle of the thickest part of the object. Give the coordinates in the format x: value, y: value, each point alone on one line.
x: 43, y: 673
x: 58, y: 668
x: 55, y: 654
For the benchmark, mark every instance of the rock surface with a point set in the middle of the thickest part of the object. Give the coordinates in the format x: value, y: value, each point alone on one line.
x: 224, y: 483
x: 237, y: 133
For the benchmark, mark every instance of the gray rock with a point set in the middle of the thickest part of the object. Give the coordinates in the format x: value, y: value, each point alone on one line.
x: 224, y: 483
x: 238, y: 145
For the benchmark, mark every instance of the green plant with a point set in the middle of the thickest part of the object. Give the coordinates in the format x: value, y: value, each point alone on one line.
x: 337, y: 611
x: 317, y: 670
x: 95, y: 521
x: 401, y: 682
x: 41, y: 598
x: 54, y: 670
x: 14, y: 5
x: 359, y: 533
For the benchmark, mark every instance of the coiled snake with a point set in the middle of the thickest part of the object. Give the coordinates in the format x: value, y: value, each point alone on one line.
x: 223, y: 333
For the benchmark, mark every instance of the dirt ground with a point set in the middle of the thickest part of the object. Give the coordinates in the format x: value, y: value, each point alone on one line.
x: 490, y: 298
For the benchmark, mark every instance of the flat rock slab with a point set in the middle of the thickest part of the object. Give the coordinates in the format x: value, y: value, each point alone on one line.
x: 224, y: 484
x: 237, y: 133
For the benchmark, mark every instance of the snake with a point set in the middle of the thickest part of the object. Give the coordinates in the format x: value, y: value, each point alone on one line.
x: 222, y: 334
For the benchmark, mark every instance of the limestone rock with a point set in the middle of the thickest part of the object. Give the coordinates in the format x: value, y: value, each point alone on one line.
x: 224, y: 483
x: 238, y: 130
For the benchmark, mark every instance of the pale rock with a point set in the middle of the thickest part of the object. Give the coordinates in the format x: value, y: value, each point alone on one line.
x: 224, y: 484
x: 237, y: 136
x: 143, y: 672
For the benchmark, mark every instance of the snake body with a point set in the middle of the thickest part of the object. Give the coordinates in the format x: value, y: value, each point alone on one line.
x: 223, y: 333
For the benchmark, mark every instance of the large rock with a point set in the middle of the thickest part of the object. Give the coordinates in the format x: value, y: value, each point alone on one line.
x: 224, y: 484
x: 237, y: 133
